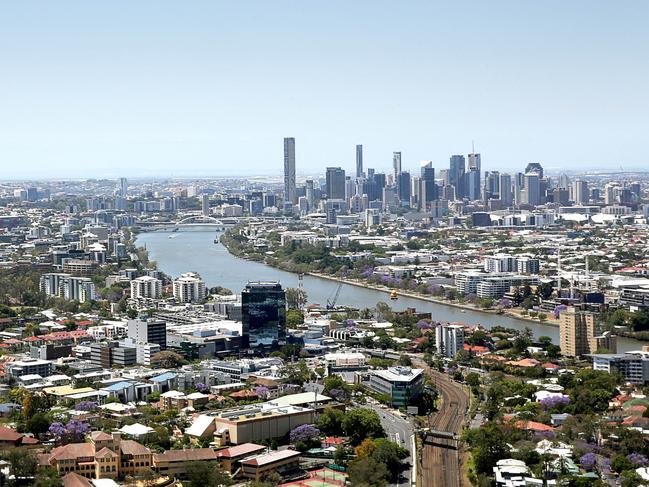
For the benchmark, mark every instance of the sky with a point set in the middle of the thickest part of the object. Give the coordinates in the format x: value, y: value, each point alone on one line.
x: 210, y: 88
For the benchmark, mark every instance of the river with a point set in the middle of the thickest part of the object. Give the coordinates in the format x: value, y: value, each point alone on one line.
x: 195, y: 250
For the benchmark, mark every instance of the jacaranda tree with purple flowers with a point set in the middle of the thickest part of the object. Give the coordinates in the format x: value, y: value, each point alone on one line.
x: 305, y: 436
x: 588, y: 461
x: 638, y: 459
x: 554, y: 402
x: 72, y: 432
x: 86, y: 406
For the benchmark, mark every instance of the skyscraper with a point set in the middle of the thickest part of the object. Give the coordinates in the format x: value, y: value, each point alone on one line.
x: 123, y: 187
x: 505, y: 184
x: 532, y: 189
x: 310, y: 194
x: 580, y: 192
x: 359, y: 161
x: 263, y: 315
x: 474, y: 161
x: 456, y: 175
x: 335, y: 183
x: 428, y: 191
x: 396, y: 164
x: 205, y: 206
x: 289, y: 170
x: 403, y: 188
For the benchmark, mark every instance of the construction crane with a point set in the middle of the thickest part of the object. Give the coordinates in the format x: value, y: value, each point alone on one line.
x: 331, y: 303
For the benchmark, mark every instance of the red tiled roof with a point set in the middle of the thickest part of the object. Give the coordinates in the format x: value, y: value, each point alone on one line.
x: 75, y: 480
x: 550, y: 365
x: 8, y: 434
x: 244, y: 449
x: 533, y: 426
x: 186, y: 455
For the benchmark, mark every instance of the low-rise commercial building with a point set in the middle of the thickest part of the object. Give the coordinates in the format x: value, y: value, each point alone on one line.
x: 400, y: 384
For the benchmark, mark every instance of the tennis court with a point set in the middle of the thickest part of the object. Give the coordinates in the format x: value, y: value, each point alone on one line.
x: 320, y: 478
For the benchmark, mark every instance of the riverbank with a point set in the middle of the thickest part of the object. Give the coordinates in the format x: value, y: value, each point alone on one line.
x: 412, y: 295
x: 421, y: 297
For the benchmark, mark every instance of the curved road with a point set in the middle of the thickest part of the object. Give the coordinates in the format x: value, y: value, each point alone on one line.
x: 440, y: 464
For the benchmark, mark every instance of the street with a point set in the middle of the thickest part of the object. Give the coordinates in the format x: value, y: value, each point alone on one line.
x: 401, y: 431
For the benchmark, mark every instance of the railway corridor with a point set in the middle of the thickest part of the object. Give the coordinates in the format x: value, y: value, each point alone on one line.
x: 440, y: 460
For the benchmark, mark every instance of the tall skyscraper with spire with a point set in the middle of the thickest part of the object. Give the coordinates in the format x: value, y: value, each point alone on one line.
x: 359, y: 161
x: 289, y: 170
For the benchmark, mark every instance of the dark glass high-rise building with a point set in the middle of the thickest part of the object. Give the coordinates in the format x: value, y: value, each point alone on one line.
x: 456, y: 175
x: 428, y: 186
x: 335, y: 183
x: 263, y: 314
x: 403, y: 188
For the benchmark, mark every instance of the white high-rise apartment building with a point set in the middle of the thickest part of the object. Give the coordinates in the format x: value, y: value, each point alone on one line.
x: 449, y: 340
x: 190, y: 288
x: 146, y: 287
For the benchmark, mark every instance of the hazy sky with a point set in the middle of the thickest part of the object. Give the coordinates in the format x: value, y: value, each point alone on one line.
x: 210, y: 88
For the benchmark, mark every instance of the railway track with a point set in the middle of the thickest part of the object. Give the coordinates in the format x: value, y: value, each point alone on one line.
x: 440, y: 459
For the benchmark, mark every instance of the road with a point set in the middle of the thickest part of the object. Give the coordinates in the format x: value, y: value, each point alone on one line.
x: 440, y: 462
x: 401, y: 431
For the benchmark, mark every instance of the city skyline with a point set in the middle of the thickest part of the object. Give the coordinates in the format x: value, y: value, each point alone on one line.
x: 129, y: 90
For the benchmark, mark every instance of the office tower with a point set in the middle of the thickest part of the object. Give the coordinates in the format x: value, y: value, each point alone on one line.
x: 456, y: 175
x: 350, y: 188
x: 474, y: 162
x: 428, y: 186
x: 580, y: 192
x: 146, y: 287
x: 148, y: 331
x: 205, y: 206
x: 449, y: 340
x: 263, y: 310
x: 123, y: 187
x: 415, y: 192
x: 189, y: 288
x: 492, y: 182
x: 310, y: 194
x: 403, y: 188
x: 579, y: 334
x: 396, y: 164
x: 32, y: 193
x: 471, y: 184
x: 505, y: 186
x: 359, y: 161
x: 532, y: 189
x: 289, y: 170
x: 564, y: 181
x: 536, y: 168
x: 335, y: 183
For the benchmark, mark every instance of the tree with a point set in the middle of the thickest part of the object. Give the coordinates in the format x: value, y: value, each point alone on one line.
x: 367, y: 472
x: 294, y: 318
x: 365, y: 449
x: 168, y: 359
x: 362, y: 423
x: 206, y: 474
x: 38, y: 423
x: 305, y: 436
x: 297, y: 373
x: 405, y: 360
x: 488, y: 445
x: 391, y: 455
x: 331, y: 421
x: 23, y: 462
x: 48, y: 477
